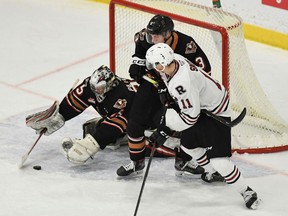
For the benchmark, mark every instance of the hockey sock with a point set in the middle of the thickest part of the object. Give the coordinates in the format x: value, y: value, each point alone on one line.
x: 230, y: 172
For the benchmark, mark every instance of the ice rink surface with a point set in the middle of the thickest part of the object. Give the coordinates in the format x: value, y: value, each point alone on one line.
x: 45, y: 46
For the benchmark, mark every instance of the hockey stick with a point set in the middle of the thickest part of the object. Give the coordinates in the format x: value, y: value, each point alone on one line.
x: 49, y: 111
x: 224, y: 121
x: 154, y: 82
x: 148, y: 164
x: 218, y: 118
x: 24, y: 157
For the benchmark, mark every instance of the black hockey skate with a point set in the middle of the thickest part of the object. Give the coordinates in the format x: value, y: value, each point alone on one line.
x: 183, y: 167
x: 214, y: 177
x: 250, y: 198
x: 134, y: 167
x: 190, y: 167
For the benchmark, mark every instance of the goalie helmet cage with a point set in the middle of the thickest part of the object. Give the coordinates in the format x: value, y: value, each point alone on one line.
x: 220, y: 35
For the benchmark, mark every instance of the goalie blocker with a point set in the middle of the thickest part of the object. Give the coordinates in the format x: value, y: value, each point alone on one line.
x: 50, y: 119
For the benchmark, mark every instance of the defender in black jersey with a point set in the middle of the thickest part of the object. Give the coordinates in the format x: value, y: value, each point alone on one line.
x: 147, y: 104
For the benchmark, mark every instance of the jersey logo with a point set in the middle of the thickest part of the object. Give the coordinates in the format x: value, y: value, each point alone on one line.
x: 131, y: 85
x: 180, y: 89
x: 120, y: 104
x: 91, y: 100
x: 209, y: 148
x: 190, y: 48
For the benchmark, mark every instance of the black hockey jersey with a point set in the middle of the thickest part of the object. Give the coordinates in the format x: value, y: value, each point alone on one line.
x: 116, y: 102
x: 180, y: 43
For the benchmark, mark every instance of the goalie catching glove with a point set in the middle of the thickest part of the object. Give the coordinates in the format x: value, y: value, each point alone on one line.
x: 78, y: 151
x: 160, y: 135
x: 50, y: 119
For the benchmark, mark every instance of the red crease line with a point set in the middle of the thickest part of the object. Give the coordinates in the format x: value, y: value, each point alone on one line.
x: 61, y: 68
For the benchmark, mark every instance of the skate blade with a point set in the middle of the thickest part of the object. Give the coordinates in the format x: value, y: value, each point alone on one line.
x: 133, y: 175
x: 186, y: 174
x: 256, y: 204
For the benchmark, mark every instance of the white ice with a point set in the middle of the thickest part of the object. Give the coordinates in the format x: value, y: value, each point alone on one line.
x: 45, y: 46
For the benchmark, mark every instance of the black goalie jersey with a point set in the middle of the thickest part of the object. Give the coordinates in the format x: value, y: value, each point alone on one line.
x: 113, y: 107
x: 115, y: 103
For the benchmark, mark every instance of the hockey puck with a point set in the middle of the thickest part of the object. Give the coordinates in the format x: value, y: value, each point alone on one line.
x: 37, y: 167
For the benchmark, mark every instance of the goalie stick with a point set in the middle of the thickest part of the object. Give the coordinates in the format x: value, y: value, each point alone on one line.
x: 149, y: 163
x: 218, y: 118
x: 44, y: 115
x: 52, y: 108
x: 24, y: 157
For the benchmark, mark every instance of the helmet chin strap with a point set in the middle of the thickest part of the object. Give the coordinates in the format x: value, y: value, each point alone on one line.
x: 167, y: 38
x: 162, y: 69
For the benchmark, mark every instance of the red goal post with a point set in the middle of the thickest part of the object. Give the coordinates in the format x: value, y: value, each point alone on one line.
x: 220, y: 35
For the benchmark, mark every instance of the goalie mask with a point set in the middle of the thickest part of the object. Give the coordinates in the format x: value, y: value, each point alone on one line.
x: 102, y: 80
x: 159, y: 25
x: 159, y: 54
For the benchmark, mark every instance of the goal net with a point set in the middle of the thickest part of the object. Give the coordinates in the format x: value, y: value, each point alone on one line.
x: 220, y: 35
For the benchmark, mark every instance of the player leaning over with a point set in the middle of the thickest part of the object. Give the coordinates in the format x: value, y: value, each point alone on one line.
x: 109, y: 95
x: 203, y: 138
x: 160, y: 29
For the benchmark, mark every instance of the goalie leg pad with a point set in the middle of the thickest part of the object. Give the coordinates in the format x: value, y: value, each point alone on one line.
x: 119, y: 142
x: 78, y: 151
x: 89, y: 127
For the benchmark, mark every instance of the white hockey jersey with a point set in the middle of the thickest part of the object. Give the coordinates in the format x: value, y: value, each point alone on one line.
x: 193, y: 90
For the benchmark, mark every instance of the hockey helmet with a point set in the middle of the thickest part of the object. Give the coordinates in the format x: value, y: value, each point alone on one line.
x: 101, y: 81
x: 160, y: 53
x: 159, y: 25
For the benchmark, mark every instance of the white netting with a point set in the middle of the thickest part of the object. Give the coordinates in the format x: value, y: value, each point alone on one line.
x: 262, y: 127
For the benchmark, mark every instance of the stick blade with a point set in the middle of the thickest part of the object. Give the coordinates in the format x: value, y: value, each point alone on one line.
x: 23, y: 159
x: 239, y: 118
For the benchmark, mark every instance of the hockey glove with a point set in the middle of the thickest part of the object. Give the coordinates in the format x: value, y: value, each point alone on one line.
x: 50, y: 119
x: 160, y: 135
x: 137, y: 69
x: 163, y: 93
x: 166, y: 98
